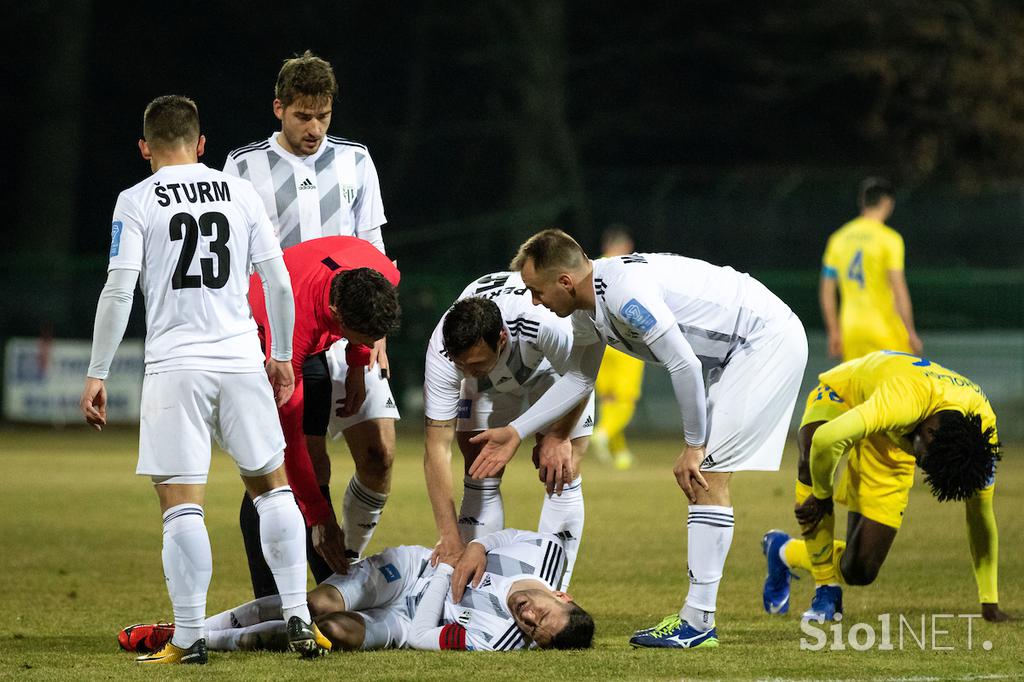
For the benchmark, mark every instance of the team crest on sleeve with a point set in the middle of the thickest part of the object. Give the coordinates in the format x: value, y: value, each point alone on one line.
x: 390, y: 573
x: 115, y: 237
x: 637, y: 316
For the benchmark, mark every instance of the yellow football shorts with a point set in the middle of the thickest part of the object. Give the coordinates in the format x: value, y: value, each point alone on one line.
x: 878, y: 476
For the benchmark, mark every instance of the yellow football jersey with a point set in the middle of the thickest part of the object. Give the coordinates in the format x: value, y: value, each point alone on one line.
x: 859, y: 255
x: 889, y: 394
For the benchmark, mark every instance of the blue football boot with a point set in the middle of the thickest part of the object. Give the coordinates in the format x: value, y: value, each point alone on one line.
x: 674, y: 633
x: 776, y: 584
x: 826, y: 605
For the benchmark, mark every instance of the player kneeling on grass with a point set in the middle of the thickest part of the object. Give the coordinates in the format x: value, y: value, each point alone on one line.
x: 397, y: 600
x: 891, y: 411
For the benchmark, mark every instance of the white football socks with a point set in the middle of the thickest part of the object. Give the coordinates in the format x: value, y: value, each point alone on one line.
x: 482, y: 511
x: 188, y: 566
x: 283, y: 537
x: 709, y: 535
x: 361, y: 510
x: 563, y: 516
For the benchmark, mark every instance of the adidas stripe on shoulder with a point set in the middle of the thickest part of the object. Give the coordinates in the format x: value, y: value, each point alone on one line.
x: 342, y: 141
x: 251, y: 147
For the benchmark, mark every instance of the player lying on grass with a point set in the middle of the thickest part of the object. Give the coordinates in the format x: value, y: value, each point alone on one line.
x: 492, y: 354
x: 891, y: 411
x: 397, y: 600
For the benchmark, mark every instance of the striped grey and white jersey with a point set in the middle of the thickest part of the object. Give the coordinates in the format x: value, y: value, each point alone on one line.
x: 641, y: 295
x: 539, y: 343
x: 512, y: 555
x: 332, y: 192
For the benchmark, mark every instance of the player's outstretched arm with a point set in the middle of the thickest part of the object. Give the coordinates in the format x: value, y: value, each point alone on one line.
x: 437, y: 460
x: 280, y: 302
x: 499, y: 446
x: 983, y: 538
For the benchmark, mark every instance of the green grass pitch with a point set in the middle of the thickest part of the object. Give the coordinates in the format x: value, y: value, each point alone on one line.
x: 80, y: 557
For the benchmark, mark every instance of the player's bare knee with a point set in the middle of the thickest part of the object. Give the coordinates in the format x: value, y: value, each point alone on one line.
x: 374, y: 466
x: 342, y: 632
x: 324, y: 599
x: 860, y: 573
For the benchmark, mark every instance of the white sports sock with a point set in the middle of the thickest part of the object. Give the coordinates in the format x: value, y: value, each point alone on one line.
x: 271, y: 634
x: 482, y: 511
x: 361, y: 510
x: 563, y: 516
x: 283, y: 537
x: 188, y: 566
x: 709, y: 535
x: 252, y: 612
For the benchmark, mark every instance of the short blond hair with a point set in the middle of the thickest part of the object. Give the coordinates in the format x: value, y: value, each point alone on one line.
x: 550, y: 249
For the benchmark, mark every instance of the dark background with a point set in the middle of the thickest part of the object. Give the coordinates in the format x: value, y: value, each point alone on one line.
x: 727, y: 131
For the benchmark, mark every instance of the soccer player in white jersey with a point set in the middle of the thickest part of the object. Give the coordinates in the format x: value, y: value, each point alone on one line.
x: 502, y: 596
x: 189, y: 235
x: 492, y: 354
x: 735, y: 354
x: 318, y: 185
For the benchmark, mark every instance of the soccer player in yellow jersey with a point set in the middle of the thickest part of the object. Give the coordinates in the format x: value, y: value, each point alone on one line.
x: 619, y: 381
x: 864, y: 261
x: 907, y: 411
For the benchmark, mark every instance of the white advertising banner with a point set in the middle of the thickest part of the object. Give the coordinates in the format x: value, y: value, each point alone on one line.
x: 43, y: 381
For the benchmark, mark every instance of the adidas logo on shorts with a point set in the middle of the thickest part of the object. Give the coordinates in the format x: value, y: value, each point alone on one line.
x: 469, y: 521
x: 390, y: 404
x: 589, y: 422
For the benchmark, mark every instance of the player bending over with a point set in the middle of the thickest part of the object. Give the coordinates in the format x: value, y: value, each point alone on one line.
x: 735, y: 354
x: 891, y: 411
x: 397, y: 600
x: 492, y: 354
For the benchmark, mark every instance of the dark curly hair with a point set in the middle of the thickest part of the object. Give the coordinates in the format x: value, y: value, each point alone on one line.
x: 578, y: 633
x: 961, y: 458
x: 468, y: 321
x: 366, y: 301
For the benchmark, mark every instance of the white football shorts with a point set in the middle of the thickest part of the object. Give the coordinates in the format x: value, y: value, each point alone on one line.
x: 379, y: 404
x: 750, y: 402
x: 182, y: 409
x: 378, y: 587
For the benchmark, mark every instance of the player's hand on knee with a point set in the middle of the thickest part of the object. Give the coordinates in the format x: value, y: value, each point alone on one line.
x: 499, y: 445
x: 687, y: 472
x: 448, y: 550
x: 810, y: 513
x: 993, y: 614
x: 355, y: 391
x: 94, y: 402
x: 282, y: 379
x: 329, y: 542
x: 379, y: 356
x: 553, y: 457
x: 469, y: 570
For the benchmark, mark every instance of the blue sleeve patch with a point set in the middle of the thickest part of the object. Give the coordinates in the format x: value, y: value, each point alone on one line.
x: 637, y: 316
x: 115, y: 237
x: 828, y: 272
x: 390, y: 573
x: 465, y: 408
